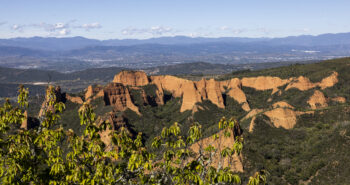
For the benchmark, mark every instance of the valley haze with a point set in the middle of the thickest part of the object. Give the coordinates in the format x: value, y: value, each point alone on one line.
x: 79, y: 53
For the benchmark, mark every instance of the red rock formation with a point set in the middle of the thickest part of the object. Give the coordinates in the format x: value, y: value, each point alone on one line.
x: 115, y: 122
x: 282, y: 104
x: 210, y: 90
x: 75, y: 99
x: 24, y: 124
x: 339, y: 99
x: 234, y: 87
x: 59, y: 98
x: 93, y: 92
x: 252, y: 124
x: 89, y: 92
x: 282, y: 117
x: 235, y: 163
x: 118, y: 95
x: 303, y: 83
x: 132, y: 78
x: 179, y: 88
x: 329, y: 81
x: 263, y: 83
x: 195, y: 92
x: 317, y: 100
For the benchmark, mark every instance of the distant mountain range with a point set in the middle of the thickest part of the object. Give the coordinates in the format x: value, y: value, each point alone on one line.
x: 70, y: 43
x: 79, y: 53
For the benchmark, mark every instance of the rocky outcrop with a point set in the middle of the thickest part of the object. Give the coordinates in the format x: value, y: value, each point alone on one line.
x: 24, y: 124
x: 60, y: 97
x: 282, y: 117
x: 93, y: 92
x: 118, y: 96
x: 317, y: 100
x: 193, y: 92
x: 252, y: 113
x: 210, y: 90
x: 339, y: 99
x: 263, y: 83
x: 74, y: 99
x: 190, y: 96
x: 303, y: 83
x: 144, y: 97
x: 329, y: 81
x: 282, y: 104
x: 115, y: 123
x: 132, y: 78
x: 235, y: 163
x: 196, y: 108
x: 252, y: 124
x: 159, y: 97
x: 89, y: 92
x: 234, y: 87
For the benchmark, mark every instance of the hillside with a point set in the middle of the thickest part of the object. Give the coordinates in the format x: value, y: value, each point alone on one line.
x: 295, y: 119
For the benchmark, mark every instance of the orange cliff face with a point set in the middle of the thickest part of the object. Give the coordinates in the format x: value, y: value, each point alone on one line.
x: 190, y: 91
x: 118, y: 95
x: 263, y: 83
x: 303, y: 83
x: 234, y: 87
x: 193, y: 92
x: 131, y: 78
x: 210, y: 89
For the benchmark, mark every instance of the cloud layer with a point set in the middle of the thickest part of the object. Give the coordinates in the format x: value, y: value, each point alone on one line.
x: 153, y: 31
x: 56, y: 29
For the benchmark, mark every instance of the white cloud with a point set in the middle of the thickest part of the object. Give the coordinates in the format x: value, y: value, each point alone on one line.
x: 55, y: 29
x: 154, y: 31
x: 59, y: 25
x: 159, y: 30
x: 232, y: 30
x: 17, y: 27
x: 264, y: 31
x: 134, y: 31
x: 224, y: 28
x: 64, y: 32
x: 90, y: 26
x: 306, y: 29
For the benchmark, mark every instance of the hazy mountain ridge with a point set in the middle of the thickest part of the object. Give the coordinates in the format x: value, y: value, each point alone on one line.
x: 69, y: 43
x: 78, y: 53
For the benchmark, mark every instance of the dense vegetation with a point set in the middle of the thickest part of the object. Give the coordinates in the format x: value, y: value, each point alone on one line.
x: 315, y: 151
x: 49, y: 154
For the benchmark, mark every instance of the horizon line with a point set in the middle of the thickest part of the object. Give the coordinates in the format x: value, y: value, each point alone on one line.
x: 67, y: 37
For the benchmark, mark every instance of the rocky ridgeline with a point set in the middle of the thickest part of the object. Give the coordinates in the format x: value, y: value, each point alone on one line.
x: 282, y: 114
x: 117, y: 93
x: 193, y: 92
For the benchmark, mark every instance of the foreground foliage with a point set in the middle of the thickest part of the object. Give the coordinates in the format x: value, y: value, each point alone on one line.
x: 48, y: 154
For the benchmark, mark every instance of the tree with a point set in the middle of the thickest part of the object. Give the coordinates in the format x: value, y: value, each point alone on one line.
x: 48, y: 154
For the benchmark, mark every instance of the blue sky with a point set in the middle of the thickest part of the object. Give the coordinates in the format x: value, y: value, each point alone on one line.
x: 120, y: 19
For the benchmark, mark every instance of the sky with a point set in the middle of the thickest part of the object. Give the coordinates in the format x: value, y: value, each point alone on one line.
x: 140, y: 19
